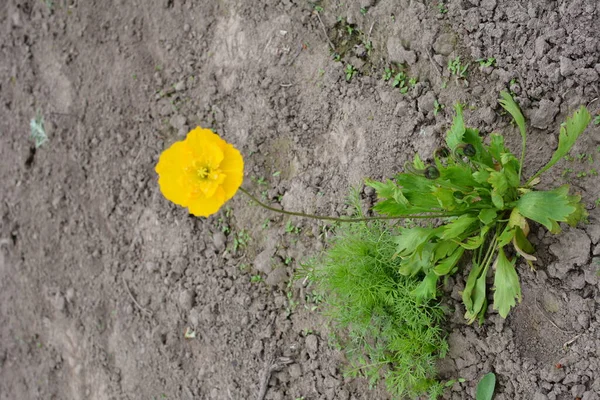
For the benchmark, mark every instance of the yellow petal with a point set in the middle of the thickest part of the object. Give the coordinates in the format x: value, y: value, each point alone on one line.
x: 174, y: 159
x: 233, y: 166
x: 205, y: 145
x: 202, y: 206
x: 173, y: 189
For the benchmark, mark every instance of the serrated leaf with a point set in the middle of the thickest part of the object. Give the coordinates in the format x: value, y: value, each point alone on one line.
x: 487, y: 215
x: 496, y: 147
x: 418, y: 163
x: 548, y: 207
x: 506, y: 284
x: 457, y: 227
x: 454, y: 137
x: 459, y: 175
x: 486, y: 387
x: 569, y: 132
x: 388, y: 190
x: 417, y: 262
x: 411, y: 240
x: 445, y: 198
x: 500, y: 184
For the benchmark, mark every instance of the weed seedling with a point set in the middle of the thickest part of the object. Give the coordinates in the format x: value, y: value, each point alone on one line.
x: 437, y: 107
x: 597, y: 120
x: 241, y: 240
x: 256, y: 278
x: 486, y: 62
x: 291, y: 228
x: 457, y: 69
x: 442, y: 8
x: 350, y: 71
x: 364, y: 10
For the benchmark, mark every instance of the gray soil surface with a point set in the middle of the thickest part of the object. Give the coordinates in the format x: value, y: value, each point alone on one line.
x: 100, y: 276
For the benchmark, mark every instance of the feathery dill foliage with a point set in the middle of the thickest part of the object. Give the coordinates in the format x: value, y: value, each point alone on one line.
x: 386, y: 332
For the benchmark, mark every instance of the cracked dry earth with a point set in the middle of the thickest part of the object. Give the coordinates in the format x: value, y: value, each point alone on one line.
x: 100, y: 277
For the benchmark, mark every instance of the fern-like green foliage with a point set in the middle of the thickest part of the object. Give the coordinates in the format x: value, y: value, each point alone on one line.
x: 386, y: 332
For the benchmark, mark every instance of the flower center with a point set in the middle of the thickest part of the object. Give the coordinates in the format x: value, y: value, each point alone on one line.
x: 203, y: 172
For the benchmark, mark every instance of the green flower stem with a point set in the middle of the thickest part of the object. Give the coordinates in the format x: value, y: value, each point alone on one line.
x: 338, y: 219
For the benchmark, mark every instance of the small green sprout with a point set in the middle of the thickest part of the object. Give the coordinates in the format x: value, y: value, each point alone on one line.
x: 442, y: 8
x: 291, y: 228
x: 457, y: 69
x: 486, y: 62
x: 364, y: 10
x: 597, y: 120
x: 350, y: 71
x: 437, y: 107
x: 256, y: 278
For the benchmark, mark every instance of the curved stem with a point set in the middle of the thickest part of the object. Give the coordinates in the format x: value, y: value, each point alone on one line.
x: 335, y: 219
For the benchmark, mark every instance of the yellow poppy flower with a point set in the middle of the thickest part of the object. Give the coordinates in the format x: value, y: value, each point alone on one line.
x: 201, y: 172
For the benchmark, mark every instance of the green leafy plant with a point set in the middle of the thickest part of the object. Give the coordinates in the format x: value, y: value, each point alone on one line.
x: 385, y: 332
x: 486, y: 387
x: 350, y: 71
x: 442, y: 8
x: 478, y: 191
x: 457, y: 69
x: 486, y: 62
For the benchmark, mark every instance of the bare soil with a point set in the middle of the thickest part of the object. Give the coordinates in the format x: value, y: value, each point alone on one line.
x: 101, y: 277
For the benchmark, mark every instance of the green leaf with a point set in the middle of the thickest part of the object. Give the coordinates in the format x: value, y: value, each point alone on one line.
x: 445, y: 197
x: 454, y: 137
x: 496, y: 147
x: 457, y: 227
x: 487, y: 215
x: 486, y: 387
x: 475, y: 242
x: 427, y: 289
x: 569, y: 132
x: 472, y: 137
x: 387, y: 190
x: 513, y: 109
x: 481, y: 176
x: 474, y: 294
x: 418, y: 163
x: 523, y: 246
x: 413, y: 239
x: 500, y: 184
x: 548, y: 207
x: 506, y: 284
x: 459, y: 175
x: 445, y: 266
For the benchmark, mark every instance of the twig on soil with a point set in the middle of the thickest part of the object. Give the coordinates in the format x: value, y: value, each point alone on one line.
x: 325, y: 31
x: 271, y: 365
x: 571, y: 341
x: 435, y: 65
x: 142, y: 309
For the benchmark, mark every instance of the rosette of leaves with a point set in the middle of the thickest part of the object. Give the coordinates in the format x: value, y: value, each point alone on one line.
x: 485, y: 206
